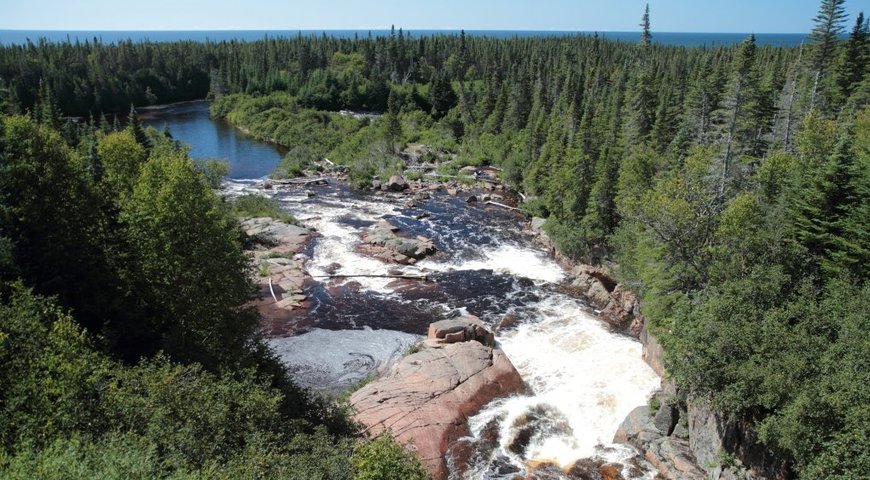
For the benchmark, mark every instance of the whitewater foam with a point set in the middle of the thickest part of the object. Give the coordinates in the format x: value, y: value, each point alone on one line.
x: 579, y: 371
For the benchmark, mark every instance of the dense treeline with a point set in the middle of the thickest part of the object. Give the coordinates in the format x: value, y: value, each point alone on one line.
x: 729, y: 184
x: 125, y: 346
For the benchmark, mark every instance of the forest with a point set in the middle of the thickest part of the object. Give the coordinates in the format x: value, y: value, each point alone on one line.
x: 729, y: 186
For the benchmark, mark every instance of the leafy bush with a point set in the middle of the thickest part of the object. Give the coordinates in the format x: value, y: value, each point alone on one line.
x: 253, y: 205
x: 385, y: 459
x: 295, y: 162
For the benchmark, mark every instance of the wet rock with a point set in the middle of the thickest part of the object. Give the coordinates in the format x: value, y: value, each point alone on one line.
x: 376, y: 184
x: 594, y: 469
x: 463, y: 329
x: 471, y: 199
x: 396, y: 183
x: 275, y: 245
x: 332, y: 268
x: 426, y: 399
x: 632, y: 430
x: 383, y: 241
x: 508, y: 321
x: 537, y: 224
x: 470, y: 451
x: 539, y: 420
x: 452, y: 191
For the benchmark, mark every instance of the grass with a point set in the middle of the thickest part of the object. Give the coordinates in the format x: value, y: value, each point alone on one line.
x: 252, y: 205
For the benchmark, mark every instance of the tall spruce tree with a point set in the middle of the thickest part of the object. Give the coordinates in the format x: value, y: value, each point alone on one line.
x: 829, y: 25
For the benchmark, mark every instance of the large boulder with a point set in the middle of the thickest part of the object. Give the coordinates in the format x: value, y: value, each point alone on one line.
x: 461, y: 329
x: 426, y: 399
x: 396, y: 183
x: 383, y: 241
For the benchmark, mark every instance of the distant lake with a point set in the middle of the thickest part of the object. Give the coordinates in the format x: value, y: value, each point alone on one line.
x: 191, y: 124
x: 10, y: 37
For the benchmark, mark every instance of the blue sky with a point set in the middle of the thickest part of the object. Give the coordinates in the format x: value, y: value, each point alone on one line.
x: 759, y: 16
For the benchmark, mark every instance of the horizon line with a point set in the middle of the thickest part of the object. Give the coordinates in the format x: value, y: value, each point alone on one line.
x: 411, y: 30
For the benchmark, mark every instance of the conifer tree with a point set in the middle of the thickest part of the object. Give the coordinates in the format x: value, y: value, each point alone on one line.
x: 134, y: 126
x: 641, y: 105
x: 854, y: 61
x: 744, y: 83
x: 829, y: 25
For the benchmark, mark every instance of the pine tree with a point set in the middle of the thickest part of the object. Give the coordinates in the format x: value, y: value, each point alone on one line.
x: 834, y: 190
x: 134, y: 126
x: 744, y: 84
x: 824, y: 36
x: 641, y: 104
x: 645, y: 34
x: 393, y: 119
x: 855, y: 59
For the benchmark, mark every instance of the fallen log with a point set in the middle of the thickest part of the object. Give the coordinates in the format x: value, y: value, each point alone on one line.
x: 490, y: 202
x: 302, y: 181
x: 424, y: 278
x: 272, y: 290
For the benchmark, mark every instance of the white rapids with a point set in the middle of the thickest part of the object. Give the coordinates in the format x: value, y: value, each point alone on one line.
x: 584, y: 378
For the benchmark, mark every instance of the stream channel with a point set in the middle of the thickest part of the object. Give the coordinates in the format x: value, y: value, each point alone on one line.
x: 584, y: 379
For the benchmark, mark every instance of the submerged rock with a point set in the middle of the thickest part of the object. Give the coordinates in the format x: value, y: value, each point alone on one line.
x: 426, y: 399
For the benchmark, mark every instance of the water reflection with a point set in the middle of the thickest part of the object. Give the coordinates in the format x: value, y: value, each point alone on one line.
x: 191, y: 124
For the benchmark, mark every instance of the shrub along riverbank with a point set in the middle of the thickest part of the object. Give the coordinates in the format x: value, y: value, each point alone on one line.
x: 125, y: 348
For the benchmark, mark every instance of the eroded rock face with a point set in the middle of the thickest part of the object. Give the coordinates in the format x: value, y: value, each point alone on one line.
x: 426, y: 399
x: 383, y: 241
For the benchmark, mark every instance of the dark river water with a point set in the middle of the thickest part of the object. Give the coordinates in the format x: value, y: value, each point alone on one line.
x: 215, y: 139
x: 584, y: 375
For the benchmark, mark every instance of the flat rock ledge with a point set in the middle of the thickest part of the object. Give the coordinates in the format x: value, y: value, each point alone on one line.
x: 280, y: 276
x: 426, y: 399
x: 383, y: 241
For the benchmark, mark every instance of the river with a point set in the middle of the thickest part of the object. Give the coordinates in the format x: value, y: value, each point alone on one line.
x: 583, y: 378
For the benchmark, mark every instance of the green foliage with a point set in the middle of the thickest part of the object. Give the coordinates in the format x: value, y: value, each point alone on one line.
x: 214, y: 171
x: 385, y: 459
x: 729, y: 183
x: 253, y: 205
x: 122, y: 157
x: 74, y: 412
x: 185, y: 261
x: 294, y: 164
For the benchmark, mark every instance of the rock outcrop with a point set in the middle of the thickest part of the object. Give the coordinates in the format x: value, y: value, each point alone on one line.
x: 426, y: 399
x: 651, y: 432
x: 281, y: 277
x: 617, y: 306
x: 383, y: 241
